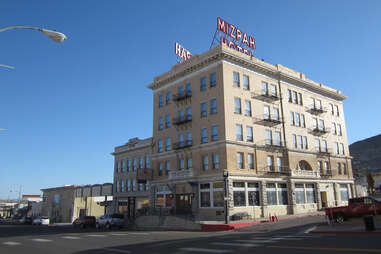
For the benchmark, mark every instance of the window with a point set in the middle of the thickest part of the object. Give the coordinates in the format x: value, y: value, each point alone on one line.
x: 276, y: 114
x: 297, y: 119
x: 337, y: 110
x: 181, y: 164
x: 235, y: 79
x: 238, y: 132
x: 213, y: 106
x: 292, y: 118
x: 205, y: 195
x: 318, y: 104
x: 168, y: 120
x: 344, y: 192
x: 294, y: 97
x: 204, y: 135
x: 141, y: 162
x: 337, y: 148
x: 250, y: 161
x: 315, y: 123
x: 339, y: 168
x: 294, y: 141
x: 270, y: 163
x: 167, y: 167
x: 279, y: 164
x: 239, y: 196
x: 273, y: 90
x: 271, y: 194
x: 181, y: 115
x: 212, y: 80
x: 324, y: 146
x: 117, y: 186
x: 321, y: 125
x: 310, y: 193
x: 181, y: 140
x: 240, y: 160
x: 129, y: 185
x: 160, y: 146
x: 326, y: 166
x: 305, y: 142
x: 181, y: 92
x: 168, y: 98
x: 148, y: 162
x: 203, y: 84
x: 203, y: 109
x: 334, y: 131
x: 299, y: 194
x: 147, y: 185
x: 317, y: 145
x: 134, y: 187
x: 205, y: 162
x: 189, y: 164
x: 189, y: 138
x: 266, y: 110
x: 218, y: 194
x: 214, y: 132
x: 188, y: 89
x: 278, y: 141
x: 339, y: 131
x: 282, y: 194
x: 300, y: 142
x: 302, y: 121
x: 265, y: 89
x: 161, y: 101
x: 342, y: 149
x: 123, y: 166
x: 188, y: 112
x: 289, y: 95
x: 216, y: 161
x: 122, y: 186
x: 269, y: 137
x: 237, y: 105
x: 135, y: 164
x: 249, y: 134
x: 300, y: 98
x: 247, y: 108
x: 246, y: 82
x: 168, y: 144
x: 253, y: 194
x: 332, y: 110
x: 344, y: 169
x: 161, y: 165
x: 129, y: 165
x: 161, y: 123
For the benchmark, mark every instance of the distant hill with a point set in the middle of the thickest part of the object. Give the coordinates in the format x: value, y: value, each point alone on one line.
x: 366, y: 154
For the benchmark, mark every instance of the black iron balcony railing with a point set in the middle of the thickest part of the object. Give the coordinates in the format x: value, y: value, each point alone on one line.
x: 271, y: 169
x: 316, y: 110
x: 318, y: 131
x: 323, y: 151
x: 268, y: 120
x: 326, y: 173
x: 143, y: 174
x: 182, y: 120
x: 182, y: 144
x: 266, y: 96
x: 180, y: 97
x: 272, y: 143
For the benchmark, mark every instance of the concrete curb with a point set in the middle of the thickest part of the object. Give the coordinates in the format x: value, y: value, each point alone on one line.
x: 345, y: 232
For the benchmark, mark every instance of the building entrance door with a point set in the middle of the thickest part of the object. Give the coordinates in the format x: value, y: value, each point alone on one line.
x: 184, y: 203
x: 324, y: 202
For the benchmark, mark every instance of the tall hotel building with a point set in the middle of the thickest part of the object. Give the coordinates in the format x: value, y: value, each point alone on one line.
x: 234, y: 134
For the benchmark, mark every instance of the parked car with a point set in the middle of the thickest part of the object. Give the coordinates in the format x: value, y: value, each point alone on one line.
x: 109, y: 221
x: 41, y: 220
x: 84, y: 221
x: 25, y: 220
x: 357, y: 207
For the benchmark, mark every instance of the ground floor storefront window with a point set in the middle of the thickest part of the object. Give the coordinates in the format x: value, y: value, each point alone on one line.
x: 246, y: 194
x: 305, y: 193
x: 212, y: 194
x: 277, y: 194
x: 164, y: 197
x: 344, y: 192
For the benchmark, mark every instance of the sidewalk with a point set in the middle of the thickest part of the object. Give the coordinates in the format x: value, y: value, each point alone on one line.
x: 352, y: 226
x: 210, y: 226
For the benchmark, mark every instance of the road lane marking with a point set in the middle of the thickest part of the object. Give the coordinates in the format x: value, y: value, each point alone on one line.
x: 71, y: 237
x: 117, y: 250
x: 41, y: 240
x: 310, y: 229
x: 205, y: 250
x: 324, y: 248
x: 119, y: 234
x: 11, y: 243
x: 253, y: 241
x: 236, y: 244
x: 96, y: 235
x: 139, y: 233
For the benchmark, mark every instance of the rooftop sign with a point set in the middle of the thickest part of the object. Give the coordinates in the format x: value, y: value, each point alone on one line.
x: 182, y: 53
x: 240, y: 41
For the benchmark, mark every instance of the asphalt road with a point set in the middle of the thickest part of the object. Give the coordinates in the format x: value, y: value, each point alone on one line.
x: 285, y: 237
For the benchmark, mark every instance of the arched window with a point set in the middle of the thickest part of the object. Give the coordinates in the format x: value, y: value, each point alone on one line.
x: 304, y: 165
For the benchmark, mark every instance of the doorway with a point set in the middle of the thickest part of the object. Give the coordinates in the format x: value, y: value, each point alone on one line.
x: 324, y: 202
x: 184, y: 203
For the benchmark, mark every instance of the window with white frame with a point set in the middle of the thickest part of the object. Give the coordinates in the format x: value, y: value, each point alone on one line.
x: 269, y: 137
x: 239, y: 194
x: 277, y: 139
x: 203, y: 84
x: 247, y: 108
x: 324, y: 146
x: 344, y: 192
x: 212, y: 79
x: 305, y: 142
x: 160, y: 146
x: 236, y: 79
x: 276, y: 114
x: 250, y: 161
x: 240, y: 160
x: 216, y: 161
x: 168, y: 144
x: 204, y: 135
x: 205, y: 162
x: 270, y: 163
x: 213, y: 106
x: 273, y: 90
x: 249, y: 134
x: 212, y: 194
x: 214, y: 132
x: 302, y: 121
x: 203, y: 109
x: 305, y: 193
x: 265, y: 88
x: 279, y: 164
x: 238, y: 132
x: 237, y: 105
x: 271, y: 194
x: 266, y: 111
x: 253, y: 193
x: 246, y: 82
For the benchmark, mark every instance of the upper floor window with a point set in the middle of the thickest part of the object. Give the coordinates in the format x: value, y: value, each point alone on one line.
x: 250, y: 161
x: 168, y: 120
x: 269, y: 137
x: 203, y: 109
x: 270, y: 163
x: 205, y: 162
x: 337, y: 148
x: 337, y: 110
x: 161, y: 101
x: 247, y: 108
x: 249, y: 133
x: 235, y: 79
x: 240, y: 160
x: 148, y: 162
x: 181, y: 115
x: 204, y: 135
x: 339, y: 131
x: 332, y: 110
x: 278, y: 137
x: 273, y: 90
x: 189, y: 163
x: 129, y: 165
x: 141, y: 162
x: 212, y: 79
x: 203, y: 84
x: 246, y: 82
x: 135, y: 164
x: 181, y: 164
x: 214, y: 132
x: 189, y: 138
x: 168, y: 144
x: 161, y: 167
x: 159, y: 146
x: 181, y: 91
x: 238, y: 132
x: 181, y: 140
x: 342, y: 149
x: 161, y: 123
x: 216, y: 161
x: 265, y: 88
x: 188, y: 89
x: 237, y: 105
x: 213, y: 106
x: 168, y: 98
x: 188, y: 112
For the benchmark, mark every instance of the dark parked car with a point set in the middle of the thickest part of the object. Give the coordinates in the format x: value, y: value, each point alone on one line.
x: 26, y: 220
x: 84, y: 221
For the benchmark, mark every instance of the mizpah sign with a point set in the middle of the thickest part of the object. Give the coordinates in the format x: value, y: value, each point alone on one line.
x: 240, y: 41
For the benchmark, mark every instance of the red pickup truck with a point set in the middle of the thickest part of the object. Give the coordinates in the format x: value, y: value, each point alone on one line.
x: 357, y: 207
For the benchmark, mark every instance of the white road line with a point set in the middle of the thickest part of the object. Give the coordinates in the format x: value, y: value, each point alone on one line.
x: 97, y: 235
x: 11, y: 243
x: 71, y: 237
x: 119, y: 234
x: 41, y: 240
x: 139, y: 233
x: 205, y: 250
x: 117, y: 250
x: 310, y: 229
x: 254, y: 241
x: 236, y: 244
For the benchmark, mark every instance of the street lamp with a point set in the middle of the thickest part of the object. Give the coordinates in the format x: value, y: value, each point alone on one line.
x: 54, y: 35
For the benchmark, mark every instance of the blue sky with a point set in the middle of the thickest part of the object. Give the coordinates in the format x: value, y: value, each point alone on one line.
x: 66, y: 105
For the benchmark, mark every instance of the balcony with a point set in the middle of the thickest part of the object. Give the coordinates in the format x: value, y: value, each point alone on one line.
x: 326, y: 173
x: 275, y: 170
x: 265, y: 96
x: 144, y: 174
x: 180, y: 174
x: 267, y: 120
x: 181, y: 97
x: 318, y: 131
x: 321, y: 152
x: 315, y: 110
x: 182, y: 120
x: 305, y: 173
x: 182, y: 144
